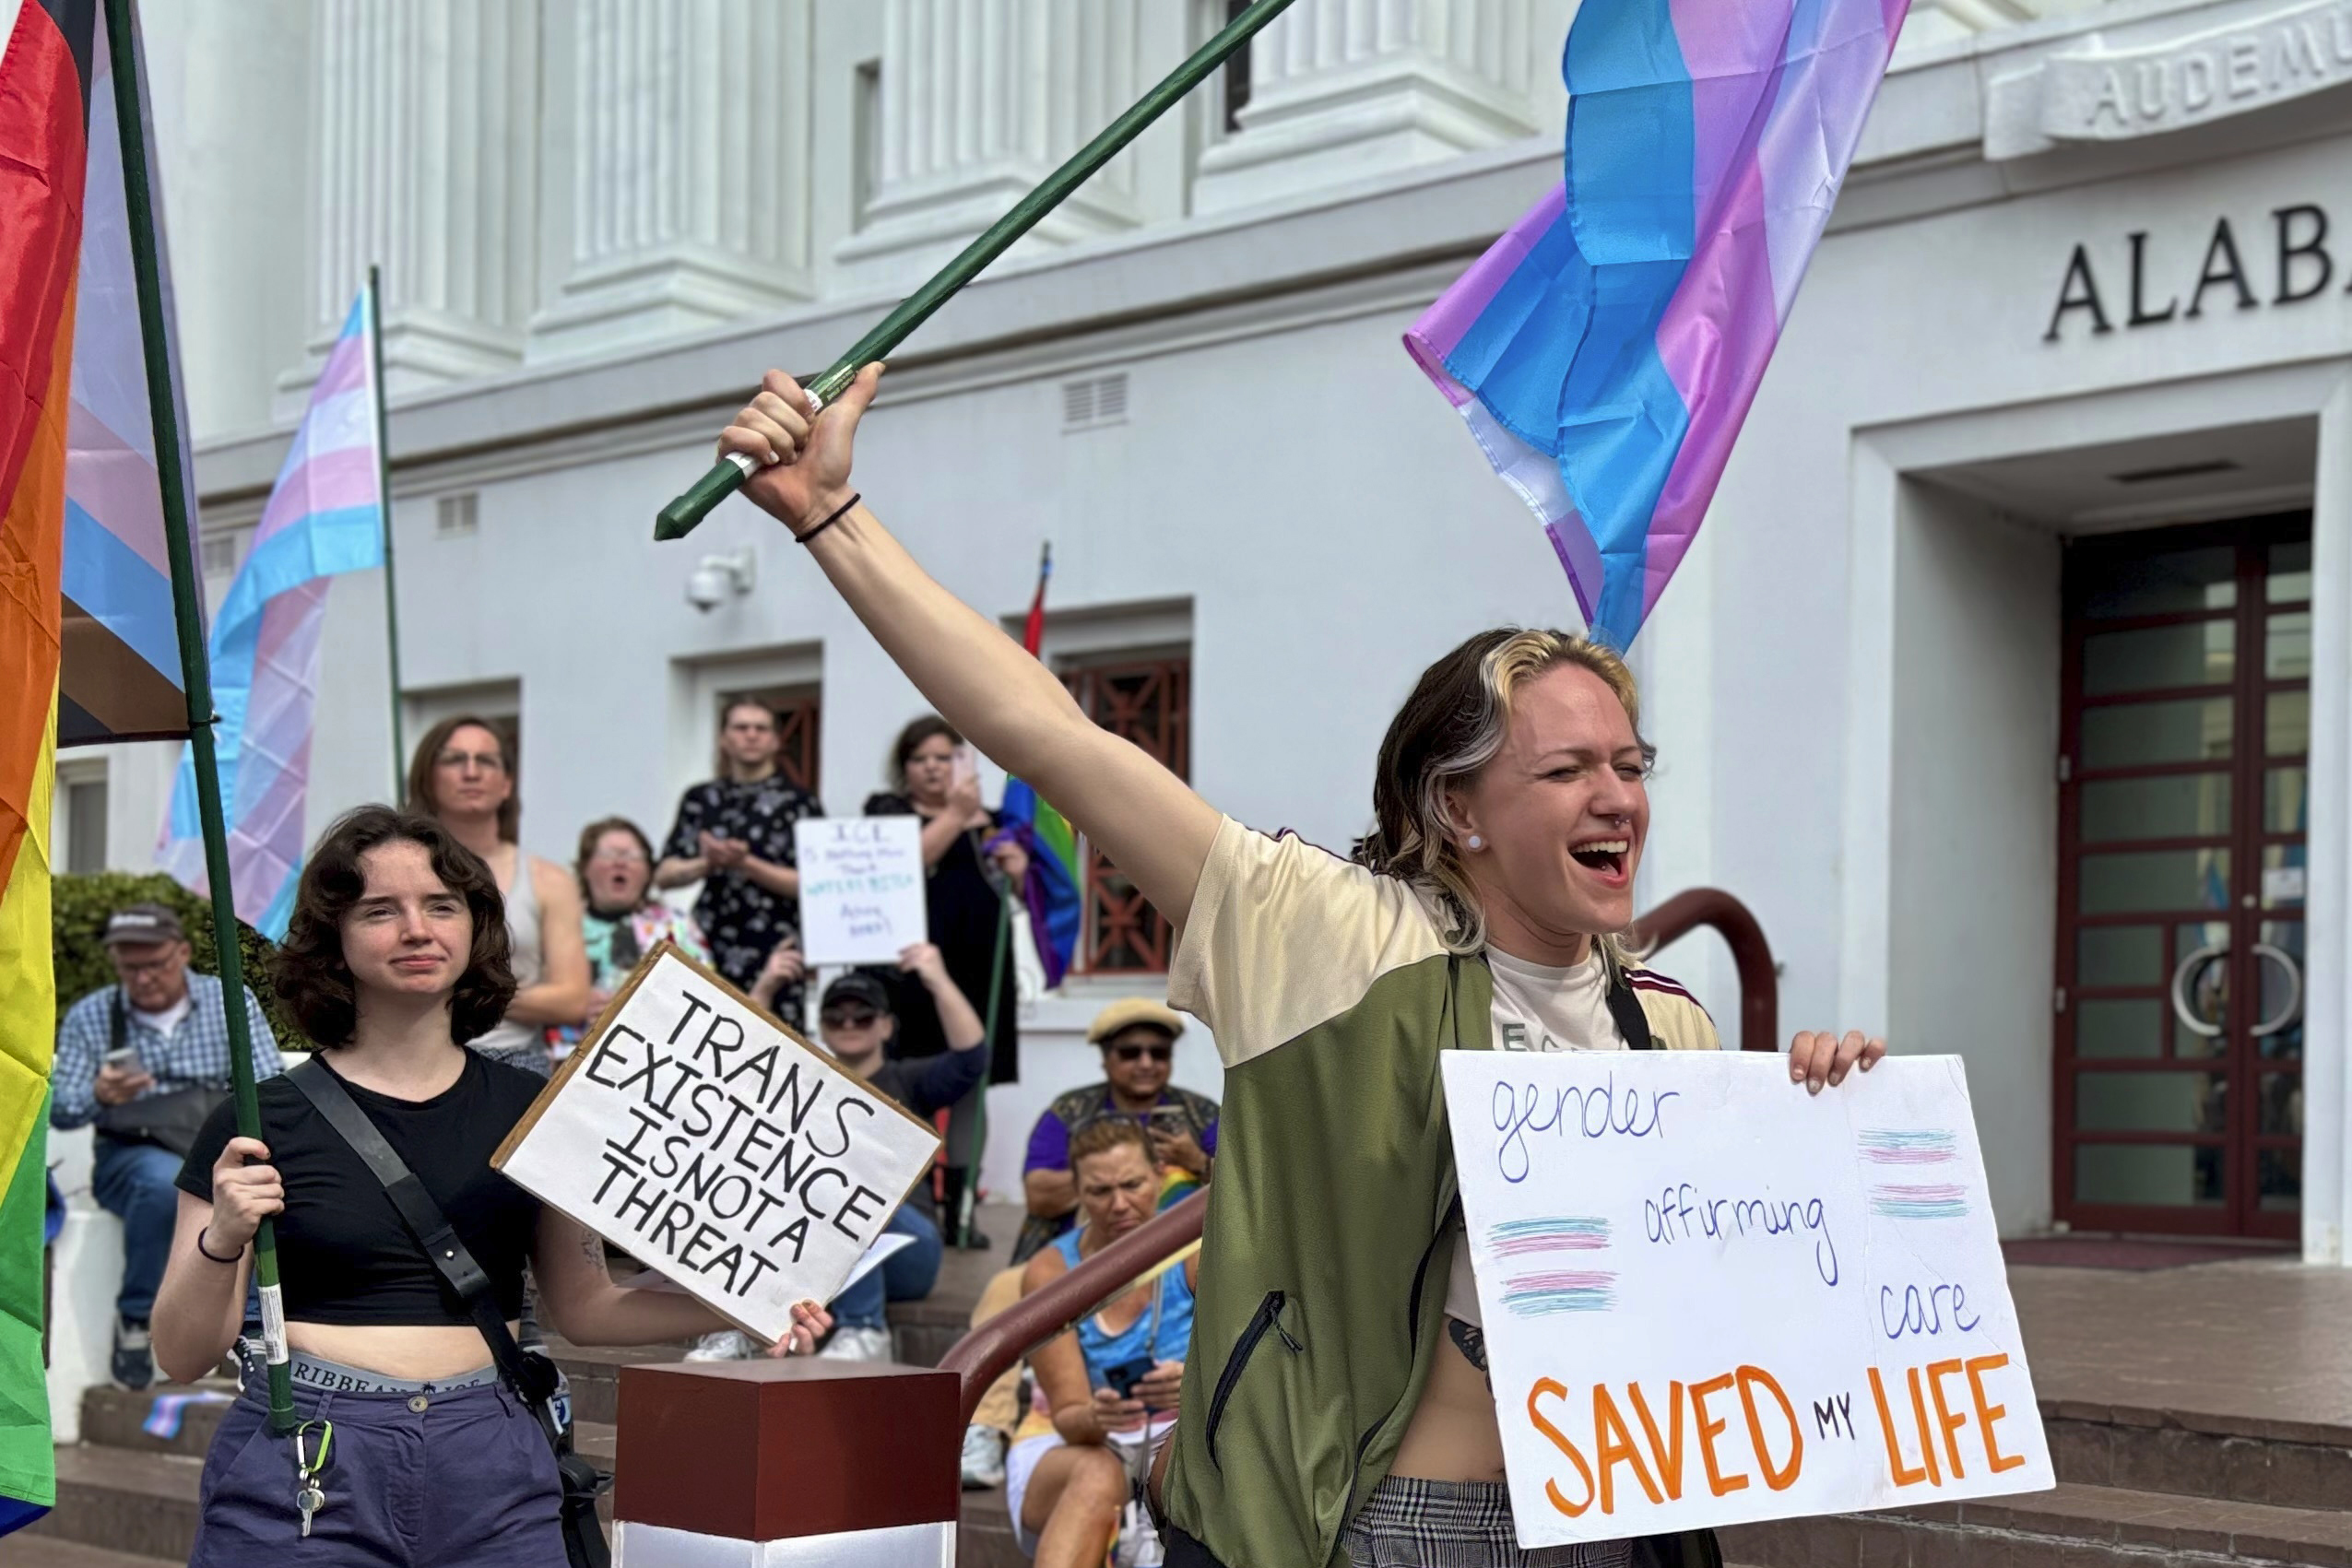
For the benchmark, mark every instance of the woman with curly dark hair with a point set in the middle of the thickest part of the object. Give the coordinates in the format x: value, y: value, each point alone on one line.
x: 395, y: 958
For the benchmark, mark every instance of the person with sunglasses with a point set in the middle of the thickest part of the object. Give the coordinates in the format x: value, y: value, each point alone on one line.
x: 856, y: 1022
x: 1138, y: 1038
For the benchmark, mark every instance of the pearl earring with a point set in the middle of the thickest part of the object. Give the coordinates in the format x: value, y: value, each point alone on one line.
x: 1477, y: 842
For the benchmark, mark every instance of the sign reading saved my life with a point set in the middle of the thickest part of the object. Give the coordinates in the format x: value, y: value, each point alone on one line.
x: 1710, y: 1297
x: 713, y: 1143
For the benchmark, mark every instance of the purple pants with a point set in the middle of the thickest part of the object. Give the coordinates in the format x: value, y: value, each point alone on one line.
x: 435, y: 1478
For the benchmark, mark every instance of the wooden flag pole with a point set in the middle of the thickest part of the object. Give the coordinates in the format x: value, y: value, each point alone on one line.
x: 681, y: 516
x: 195, y: 665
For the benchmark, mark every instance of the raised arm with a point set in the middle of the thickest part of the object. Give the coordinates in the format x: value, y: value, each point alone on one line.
x: 1005, y: 703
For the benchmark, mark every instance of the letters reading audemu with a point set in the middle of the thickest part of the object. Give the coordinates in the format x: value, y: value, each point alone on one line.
x: 732, y: 1152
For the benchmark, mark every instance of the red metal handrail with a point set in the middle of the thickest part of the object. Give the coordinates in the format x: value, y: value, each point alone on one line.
x: 1751, y: 955
x: 982, y: 1356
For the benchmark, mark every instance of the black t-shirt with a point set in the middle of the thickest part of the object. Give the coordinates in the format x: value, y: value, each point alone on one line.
x: 343, y: 1253
x: 961, y: 899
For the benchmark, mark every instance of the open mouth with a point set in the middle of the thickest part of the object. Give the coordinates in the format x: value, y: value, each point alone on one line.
x: 1604, y: 855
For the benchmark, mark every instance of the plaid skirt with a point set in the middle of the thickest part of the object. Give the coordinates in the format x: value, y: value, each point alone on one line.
x: 1429, y: 1524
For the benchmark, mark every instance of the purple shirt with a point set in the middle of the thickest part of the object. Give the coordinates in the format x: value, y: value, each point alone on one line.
x: 1049, y: 1141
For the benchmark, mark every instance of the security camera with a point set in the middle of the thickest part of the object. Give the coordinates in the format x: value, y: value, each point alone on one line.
x: 718, y: 578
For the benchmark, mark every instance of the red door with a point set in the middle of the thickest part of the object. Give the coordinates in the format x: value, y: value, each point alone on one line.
x: 2181, y: 818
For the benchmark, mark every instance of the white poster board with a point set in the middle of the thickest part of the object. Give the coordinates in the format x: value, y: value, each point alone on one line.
x: 718, y: 1147
x: 1710, y: 1297
x: 861, y: 887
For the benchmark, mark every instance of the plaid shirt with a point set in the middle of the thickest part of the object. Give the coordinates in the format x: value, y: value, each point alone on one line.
x: 195, y: 1053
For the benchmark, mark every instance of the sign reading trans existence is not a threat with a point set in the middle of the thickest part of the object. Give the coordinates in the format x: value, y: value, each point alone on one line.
x: 1710, y: 1297
x: 717, y: 1146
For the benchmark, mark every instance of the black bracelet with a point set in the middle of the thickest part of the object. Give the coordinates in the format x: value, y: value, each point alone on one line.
x: 838, y: 513
x: 234, y: 1257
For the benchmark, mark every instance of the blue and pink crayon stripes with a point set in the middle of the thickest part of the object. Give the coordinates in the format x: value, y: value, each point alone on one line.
x: 1606, y: 351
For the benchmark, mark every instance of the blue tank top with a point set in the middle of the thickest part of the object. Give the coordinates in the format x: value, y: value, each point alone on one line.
x: 1168, y: 1342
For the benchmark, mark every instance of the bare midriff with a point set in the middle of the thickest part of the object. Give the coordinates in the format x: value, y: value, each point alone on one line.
x: 1453, y: 1435
x: 419, y: 1352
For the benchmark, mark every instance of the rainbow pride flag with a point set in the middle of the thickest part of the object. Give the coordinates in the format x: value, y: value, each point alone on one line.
x: 325, y: 516
x: 1050, y: 891
x: 1606, y: 351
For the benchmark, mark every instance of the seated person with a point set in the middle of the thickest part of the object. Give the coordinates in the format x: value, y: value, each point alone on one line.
x: 855, y: 1025
x: 1138, y: 1037
x: 1074, y: 1463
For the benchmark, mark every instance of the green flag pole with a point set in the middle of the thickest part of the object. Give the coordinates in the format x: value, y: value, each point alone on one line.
x: 130, y: 97
x: 681, y: 516
x: 384, y: 492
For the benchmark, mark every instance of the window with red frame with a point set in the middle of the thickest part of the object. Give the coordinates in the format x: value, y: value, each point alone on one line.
x: 796, y: 710
x: 1149, y: 701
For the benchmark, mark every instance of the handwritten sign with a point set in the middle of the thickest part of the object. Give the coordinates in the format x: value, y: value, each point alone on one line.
x: 717, y: 1146
x: 1710, y: 1297
x: 861, y: 887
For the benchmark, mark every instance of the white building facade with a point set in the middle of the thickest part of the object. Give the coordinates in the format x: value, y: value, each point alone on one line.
x: 2007, y: 683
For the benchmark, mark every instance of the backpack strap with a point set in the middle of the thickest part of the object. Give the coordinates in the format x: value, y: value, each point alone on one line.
x: 1626, y: 1009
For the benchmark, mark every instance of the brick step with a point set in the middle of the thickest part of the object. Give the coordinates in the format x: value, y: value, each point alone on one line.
x: 140, y: 1505
x: 28, y: 1550
x: 2070, y: 1527
x: 116, y: 1417
x: 984, y: 1537
x: 2189, y: 1454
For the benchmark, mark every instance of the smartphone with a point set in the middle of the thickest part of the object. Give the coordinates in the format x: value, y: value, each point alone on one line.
x: 1168, y: 1119
x: 123, y: 1059
x: 967, y: 765
x: 1127, y: 1374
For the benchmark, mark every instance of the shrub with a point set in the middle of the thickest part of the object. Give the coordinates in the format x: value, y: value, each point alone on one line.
x: 79, y: 906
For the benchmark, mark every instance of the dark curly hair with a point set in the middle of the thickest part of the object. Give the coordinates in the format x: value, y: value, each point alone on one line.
x: 308, y: 971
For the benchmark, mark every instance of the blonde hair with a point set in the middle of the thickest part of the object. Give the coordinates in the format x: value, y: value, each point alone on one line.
x: 1447, y: 731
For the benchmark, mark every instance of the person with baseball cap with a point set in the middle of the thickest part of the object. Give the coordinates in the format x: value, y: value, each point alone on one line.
x: 1138, y: 1038
x: 147, y: 1060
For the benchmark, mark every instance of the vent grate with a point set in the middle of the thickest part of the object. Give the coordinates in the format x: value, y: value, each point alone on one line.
x: 219, y: 553
x: 1093, y: 402
x: 454, y: 516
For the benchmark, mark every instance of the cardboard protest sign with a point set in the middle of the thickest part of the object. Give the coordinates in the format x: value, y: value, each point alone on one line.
x: 717, y: 1146
x: 1710, y: 1297
x: 861, y: 887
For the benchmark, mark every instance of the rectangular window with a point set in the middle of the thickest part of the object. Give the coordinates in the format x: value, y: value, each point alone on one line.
x: 865, y: 140
x: 84, y: 789
x: 798, y: 722
x: 219, y: 553
x: 1233, y: 82
x: 1147, y: 699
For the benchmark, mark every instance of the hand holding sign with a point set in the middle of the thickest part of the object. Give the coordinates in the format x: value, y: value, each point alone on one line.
x: 861, y: 887
x: 1710, y: 1297
x: 718, y: 1147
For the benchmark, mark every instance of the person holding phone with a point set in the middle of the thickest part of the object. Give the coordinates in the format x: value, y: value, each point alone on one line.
x: 1110, y: 1389
x: 935, y: 777
x: 1138, y: 1038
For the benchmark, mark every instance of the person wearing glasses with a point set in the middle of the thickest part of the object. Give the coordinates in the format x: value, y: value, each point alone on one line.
x: 857, y: 1023
x: 1138, y: 1038
x: 624, y: 919
x: 461, y: 776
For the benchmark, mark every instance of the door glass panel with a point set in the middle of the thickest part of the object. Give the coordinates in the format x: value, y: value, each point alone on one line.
x: 2283, y: 803
x: 2279, y: 1178
x: 2290, y: 572
x: 2184, y: 806
x: 2282, y: 991
x: 2118, y: 955
x: 2286, y: 723
x: 2164, y: 584
x: 2287, y: 647
x: 2171, y: 879
x: 2132, y: 735
x: 2200, y: 652
x: 2158, y: 1101
x: 2279, y: 1106
x: 2145, y: 1172
x: 2285, y: 879
x: 2120, y: 1027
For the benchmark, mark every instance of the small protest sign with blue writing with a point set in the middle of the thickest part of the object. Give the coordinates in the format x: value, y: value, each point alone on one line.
x: 861, y: 887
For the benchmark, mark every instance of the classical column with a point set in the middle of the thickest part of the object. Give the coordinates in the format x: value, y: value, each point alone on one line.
x: 690, y: 173
x: 1343, y: 88
x: 424, y: 117
x: 979, y: 100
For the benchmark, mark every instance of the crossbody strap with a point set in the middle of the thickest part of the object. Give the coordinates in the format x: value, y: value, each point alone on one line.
x: 431, y: 1230
x: 1624, y: 1008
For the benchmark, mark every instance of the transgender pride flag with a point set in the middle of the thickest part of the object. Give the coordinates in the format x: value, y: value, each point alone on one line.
x: 1606, y: 351
x: 326, y: 515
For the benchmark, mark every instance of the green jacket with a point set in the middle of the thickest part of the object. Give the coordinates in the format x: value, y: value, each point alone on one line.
x: 1323, y: 1271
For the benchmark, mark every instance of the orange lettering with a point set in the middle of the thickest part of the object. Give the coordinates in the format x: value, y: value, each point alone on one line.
x: 1927, y: 1442
x: 1936, y: 1373
x: 1613, y: 1443
x: 1717, y: 1482
x: 1904, y: 1474
x: 1777, y: 1479
x: 1559, y: 1441
x: 1669, y: 1456
x: 1987, y: 1414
